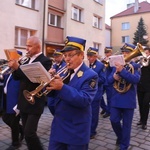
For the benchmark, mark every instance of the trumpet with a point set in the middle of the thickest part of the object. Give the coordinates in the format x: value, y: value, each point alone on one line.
x: 143, y: 61
x: 8, y: 70
x: 38, y: 91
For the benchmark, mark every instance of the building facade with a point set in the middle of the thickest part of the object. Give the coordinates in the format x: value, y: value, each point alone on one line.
x: 19, y: 20
x: 124, y: 24
x: 79, y: 18
x: 107, y: 35
x: 51, y: 21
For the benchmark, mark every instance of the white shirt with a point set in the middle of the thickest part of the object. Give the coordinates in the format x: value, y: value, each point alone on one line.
x: 5, y: 88
x: 34, y: 57
x: 75, y: 71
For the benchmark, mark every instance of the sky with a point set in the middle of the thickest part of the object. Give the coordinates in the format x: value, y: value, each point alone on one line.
x: 114, y: 7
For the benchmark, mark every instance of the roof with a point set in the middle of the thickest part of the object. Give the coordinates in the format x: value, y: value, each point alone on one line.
x: 107, y: 26
x: 143, y: 8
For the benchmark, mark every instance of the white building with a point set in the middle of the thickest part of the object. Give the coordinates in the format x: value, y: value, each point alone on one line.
x: 19, y: 20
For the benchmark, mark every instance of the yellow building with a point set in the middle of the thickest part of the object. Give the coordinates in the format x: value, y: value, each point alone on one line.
x: 125, y: 23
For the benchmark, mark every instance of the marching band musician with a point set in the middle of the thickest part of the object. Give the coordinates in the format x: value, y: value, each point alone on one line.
x: 143, y: 91
x: 30, y: 114
x: 71, y: 125
x: 98, y: 67
x: 59, y: 63
x: 10, y: 115
x: 123, y: 103
x: 107, y: 88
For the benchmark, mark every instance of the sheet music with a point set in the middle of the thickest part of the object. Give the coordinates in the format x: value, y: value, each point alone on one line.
x: 116, y: 58
x: 35, y: 72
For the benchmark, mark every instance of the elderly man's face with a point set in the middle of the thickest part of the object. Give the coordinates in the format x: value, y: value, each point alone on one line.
x: 58, y: 58
x: 147, y: 52
x: 32, y: 47
x: 73, y: 58
x: 125, y: 54
x: 91, y: 58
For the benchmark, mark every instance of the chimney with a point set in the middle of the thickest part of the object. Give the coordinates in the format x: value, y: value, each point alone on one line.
x: 136, y: 6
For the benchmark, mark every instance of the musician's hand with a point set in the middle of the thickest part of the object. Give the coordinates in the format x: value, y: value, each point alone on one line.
x: 52, y: 71
x: 13, y: 64
x: 118, y: 66
x: 116, y: 77
x: 56, y: 83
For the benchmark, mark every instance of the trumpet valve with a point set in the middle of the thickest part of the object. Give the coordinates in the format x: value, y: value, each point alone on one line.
x: 28, y: 97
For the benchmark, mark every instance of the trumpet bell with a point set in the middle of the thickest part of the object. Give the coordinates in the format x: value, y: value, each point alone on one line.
x: 29, y: 97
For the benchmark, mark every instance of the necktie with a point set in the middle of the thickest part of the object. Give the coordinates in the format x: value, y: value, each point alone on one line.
x: 70, y: 72
x: 91, y: 65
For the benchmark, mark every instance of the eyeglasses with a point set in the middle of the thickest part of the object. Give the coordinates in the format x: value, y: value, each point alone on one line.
x: 70, y: 55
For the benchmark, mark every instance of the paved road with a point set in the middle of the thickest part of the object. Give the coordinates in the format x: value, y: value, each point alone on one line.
x: 105, y: 139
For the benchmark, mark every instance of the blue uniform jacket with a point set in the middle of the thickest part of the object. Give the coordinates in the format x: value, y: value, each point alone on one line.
x: 72, y: 119
x: 98, y: 67
x: 107, y: 71
x: 128, y: 99
x: 58, y: 67
x: 12, y: 93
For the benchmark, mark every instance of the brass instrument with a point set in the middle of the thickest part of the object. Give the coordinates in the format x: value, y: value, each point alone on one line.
x: 122, y: 86
x: 38, y: 91
x: 143, y: 61
x: 8, y: 70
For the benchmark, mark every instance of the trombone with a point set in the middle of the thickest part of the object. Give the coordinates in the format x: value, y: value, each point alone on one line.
x: 38, y: 91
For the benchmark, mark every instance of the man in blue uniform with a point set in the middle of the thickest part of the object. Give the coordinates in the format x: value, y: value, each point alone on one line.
x: 98, y: 67
x: 11, y: 115
x: 59, y: 63
x: 123, y: 101
x: 71, y: 125
x: 107, y: 88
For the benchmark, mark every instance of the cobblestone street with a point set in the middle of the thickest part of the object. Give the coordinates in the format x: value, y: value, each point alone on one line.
x: 105, y: 139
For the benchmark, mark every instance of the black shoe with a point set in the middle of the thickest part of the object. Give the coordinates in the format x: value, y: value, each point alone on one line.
x: 106, y: 115
x: 92, y: 137
x: 117, y: 142
x: 139, y: 123
x: 102, y: 112
x: 144, y: 127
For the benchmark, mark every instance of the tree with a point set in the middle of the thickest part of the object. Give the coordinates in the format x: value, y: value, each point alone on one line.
x: 140, y: 33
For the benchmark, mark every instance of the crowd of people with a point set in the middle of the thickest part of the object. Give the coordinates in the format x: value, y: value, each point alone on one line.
x: 76, y: 96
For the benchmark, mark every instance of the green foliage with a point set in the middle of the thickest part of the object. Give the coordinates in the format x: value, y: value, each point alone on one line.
x: 140, y: 32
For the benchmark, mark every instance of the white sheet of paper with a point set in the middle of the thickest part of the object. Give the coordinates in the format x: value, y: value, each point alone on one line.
x: 116, y: 58
x: 35, y: 72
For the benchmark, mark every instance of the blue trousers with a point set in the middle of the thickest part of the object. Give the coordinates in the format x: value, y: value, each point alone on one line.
x: 104, y: 106
x: 95, y: 116
x: 121, y: 121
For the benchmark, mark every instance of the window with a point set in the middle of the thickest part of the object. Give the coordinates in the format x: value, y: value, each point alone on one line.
x: 54, y: 20
x: 125, y: 39
x: 99, y: 1
x: 125, y: 26
x: 96, y: 45
x: 97, y: 22
x: 77, y: 14
x: 26, y: 3
x: 21, y: 36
